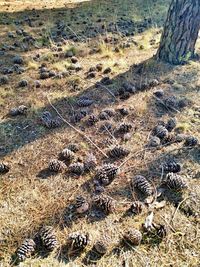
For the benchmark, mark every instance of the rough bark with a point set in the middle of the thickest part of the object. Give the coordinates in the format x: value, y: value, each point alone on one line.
x: 180, y: 31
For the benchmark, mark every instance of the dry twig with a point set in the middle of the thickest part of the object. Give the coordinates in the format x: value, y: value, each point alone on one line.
x: 75, y: 129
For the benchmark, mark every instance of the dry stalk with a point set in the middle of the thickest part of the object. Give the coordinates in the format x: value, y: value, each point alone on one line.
x: 75, y: 129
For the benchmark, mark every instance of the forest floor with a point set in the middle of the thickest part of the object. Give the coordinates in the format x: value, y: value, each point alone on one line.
x: 69, y: 39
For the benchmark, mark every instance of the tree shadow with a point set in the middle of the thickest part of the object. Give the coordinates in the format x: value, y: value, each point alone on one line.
x: 22, y: 130
x: 84, y: 20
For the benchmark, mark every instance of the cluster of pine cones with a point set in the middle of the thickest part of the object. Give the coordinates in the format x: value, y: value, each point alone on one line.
x: 20, y: 110
x: 92, y: 119
x: 77, y: 241
x: 49, y: 121
x: 164, y: 134
x: 66, y: 157
x: 170, y: 169
x: 46, y: 238
x: 171, y: 102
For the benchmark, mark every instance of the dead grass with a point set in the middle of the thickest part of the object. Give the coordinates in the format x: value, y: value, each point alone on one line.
x: 29, y: 199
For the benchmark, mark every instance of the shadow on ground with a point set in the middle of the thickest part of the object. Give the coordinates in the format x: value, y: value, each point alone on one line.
x: 22, y: 130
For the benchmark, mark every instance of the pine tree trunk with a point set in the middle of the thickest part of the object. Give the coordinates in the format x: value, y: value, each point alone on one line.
x: 180, y: 32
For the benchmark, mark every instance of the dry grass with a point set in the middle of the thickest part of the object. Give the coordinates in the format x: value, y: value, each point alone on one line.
x: 29, y: 200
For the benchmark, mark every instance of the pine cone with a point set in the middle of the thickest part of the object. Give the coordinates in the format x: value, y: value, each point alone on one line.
x: 106, y: 174
x: 46, y: 115
x: 26, y: 249
x: 172, y: 103
x: 175, y: 181
x: 118, y: 152
x: 73, y: 147
x: 78, y: 116
x: 160, y: 131
x: 92, y: 120
x: 105, y: 203
x: 129, y: 87
x: 191, y: 141
x: 67, y: 154
x: 169, y: 139
x: 90, y: 163
x: 180, y: 138
x: 171, y: 124
x: 153, y: 82
x: 76, y: 168
x: 124, y: 128
x: 48, y: 238
x: 141, y: 183
x: 56, y: 165
x: 123, y: 111
x: 105, y: 127
x: 182, y: 103
x: 21, y: 110
x: 125, y: 96
x: 78, y: 240
x: 84, y: 102
x: 54, y: 123
x: 4, y: 168
x: 48, y: 121
x: 133, y: 236
x: 136, y: 207
x: 81, y: 205
x: 154, y: 141
x: 98, y: 189
x: 171, y: 166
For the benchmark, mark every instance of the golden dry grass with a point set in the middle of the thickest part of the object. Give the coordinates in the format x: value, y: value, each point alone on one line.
x: 28, y: 200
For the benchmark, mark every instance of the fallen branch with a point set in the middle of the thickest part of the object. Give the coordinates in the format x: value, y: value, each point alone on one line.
x: 174, y: 214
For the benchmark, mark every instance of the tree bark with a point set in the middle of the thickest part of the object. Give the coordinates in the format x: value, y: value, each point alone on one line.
x: 180, y: 32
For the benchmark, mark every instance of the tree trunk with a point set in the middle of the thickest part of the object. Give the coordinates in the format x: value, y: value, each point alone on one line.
x: 180, y: 32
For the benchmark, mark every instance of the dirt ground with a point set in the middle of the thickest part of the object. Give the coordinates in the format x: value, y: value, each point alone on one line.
x: 123, y: 36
